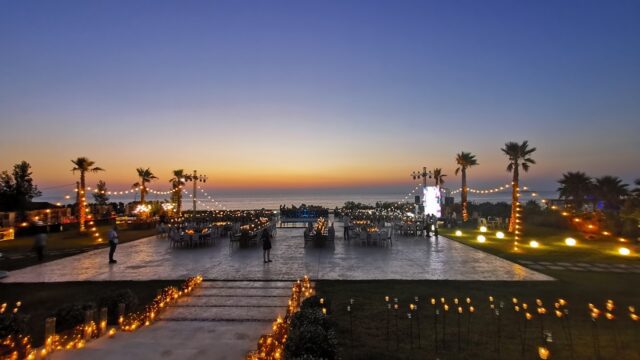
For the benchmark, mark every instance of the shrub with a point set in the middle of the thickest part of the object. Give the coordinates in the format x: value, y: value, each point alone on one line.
x: 546, y: 218
x: 630, y: 227
x: 71, y: 315
x: 12, y: 324
x: 111, y: 301
x: 311, y: 335
x: 313, y: 302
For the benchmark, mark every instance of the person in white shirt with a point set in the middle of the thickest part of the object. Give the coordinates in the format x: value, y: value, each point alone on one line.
x: 113, y: 242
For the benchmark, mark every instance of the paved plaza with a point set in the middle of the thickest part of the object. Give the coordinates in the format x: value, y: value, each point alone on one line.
x: 410, y: 258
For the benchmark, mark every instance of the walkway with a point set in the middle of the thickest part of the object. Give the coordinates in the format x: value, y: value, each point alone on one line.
x: 409, y: 258
x: 219, y: 320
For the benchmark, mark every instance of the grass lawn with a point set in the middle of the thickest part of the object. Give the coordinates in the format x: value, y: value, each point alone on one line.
x: 40, y: 300
x: 618, y: 339
x: 60, y: 245
x: 551, y: 247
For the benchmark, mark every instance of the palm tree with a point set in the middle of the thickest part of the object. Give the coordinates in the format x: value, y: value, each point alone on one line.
x: 519, y: 157
x: 438, y: 176
x: 576, y: 187
x: 610, y: 190
x: 146, y: 176
x: 464, y: 160
x: 83, y: 165
x: 636, y: 191
x: 177, y: 181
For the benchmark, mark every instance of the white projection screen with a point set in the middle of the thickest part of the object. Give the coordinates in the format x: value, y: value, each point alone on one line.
x: 432, y: 200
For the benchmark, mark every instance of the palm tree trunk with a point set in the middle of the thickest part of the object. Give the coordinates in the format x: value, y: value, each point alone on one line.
x: 142, y: 192
x: 179, y: 199
x: 465, y: 213
x: 514, y: 198
x: 82, y: 212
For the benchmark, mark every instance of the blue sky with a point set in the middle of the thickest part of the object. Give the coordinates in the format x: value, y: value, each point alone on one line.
x: 319, y: 93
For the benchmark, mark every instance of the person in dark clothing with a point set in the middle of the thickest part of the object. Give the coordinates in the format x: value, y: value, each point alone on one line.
x: 40, y: 243
x: 113, y: 243
x: 347, y: 226
x: 266, y: 245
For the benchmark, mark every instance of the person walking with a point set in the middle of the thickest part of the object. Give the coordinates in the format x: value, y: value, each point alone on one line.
x: 347, y: 225
x: 266, y: 246
x: 39, y: 243
x: 113, y: 242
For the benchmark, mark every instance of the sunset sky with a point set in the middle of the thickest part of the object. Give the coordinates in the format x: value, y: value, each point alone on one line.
x: 318, y: 94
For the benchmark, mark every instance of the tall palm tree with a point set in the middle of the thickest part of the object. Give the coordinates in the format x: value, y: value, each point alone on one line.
x: 519, y: 157
x: 177, y: 181
x: 83, y: 165
x: 464, y: 160
x: 438, y: 176
x: 575, y: 187
x: 611, y: 191
x: 146, y: 176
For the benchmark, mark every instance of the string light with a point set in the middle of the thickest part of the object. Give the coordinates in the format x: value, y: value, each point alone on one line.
x: 21, y: 346
x: 271, y: 346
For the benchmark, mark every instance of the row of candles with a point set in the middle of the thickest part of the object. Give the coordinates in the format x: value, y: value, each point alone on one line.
x: 271, y: 346
x: 16, y: 347
x: 525, y: 315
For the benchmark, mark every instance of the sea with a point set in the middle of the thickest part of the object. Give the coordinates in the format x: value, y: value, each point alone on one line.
x: 331, y: 200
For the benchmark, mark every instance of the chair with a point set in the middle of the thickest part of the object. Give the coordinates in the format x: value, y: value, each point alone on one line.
x: 234, y: 239
x: 385, y: 237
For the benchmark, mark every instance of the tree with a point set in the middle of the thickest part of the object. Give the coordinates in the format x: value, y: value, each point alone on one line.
x: 438, y: 176
x: 83, y: 165
x: 17, y: 189
x: 575, y: 187
x: 464, y: 160
x: 519, y: 157
x: 100, y: 195
x: 146, y: 176
x: 611, y: 191
x: 177, y: 182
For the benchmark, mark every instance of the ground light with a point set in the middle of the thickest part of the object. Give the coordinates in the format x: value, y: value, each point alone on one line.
x: 483, y: 229
x: 481, y: 238
x: 624, y: 251
x: 500, y: 235
x: 458, y: 233
x: 534, y: 244
x: 570, y: 241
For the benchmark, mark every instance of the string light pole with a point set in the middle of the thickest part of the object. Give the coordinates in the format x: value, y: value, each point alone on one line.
x: 417, y: 175
x: 195, y: 178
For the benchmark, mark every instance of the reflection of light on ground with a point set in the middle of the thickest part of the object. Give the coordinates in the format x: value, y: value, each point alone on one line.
x: 408, y: 258
x: 519, y: 271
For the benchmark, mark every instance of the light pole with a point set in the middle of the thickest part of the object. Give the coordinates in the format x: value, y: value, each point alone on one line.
x: 195, y: 178
x: 422, y: 174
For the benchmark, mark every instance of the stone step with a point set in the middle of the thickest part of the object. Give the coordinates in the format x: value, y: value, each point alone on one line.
x: 240, y: 292
x: 238, y: 301
x: 246, y: 284
x: 223, y: 314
